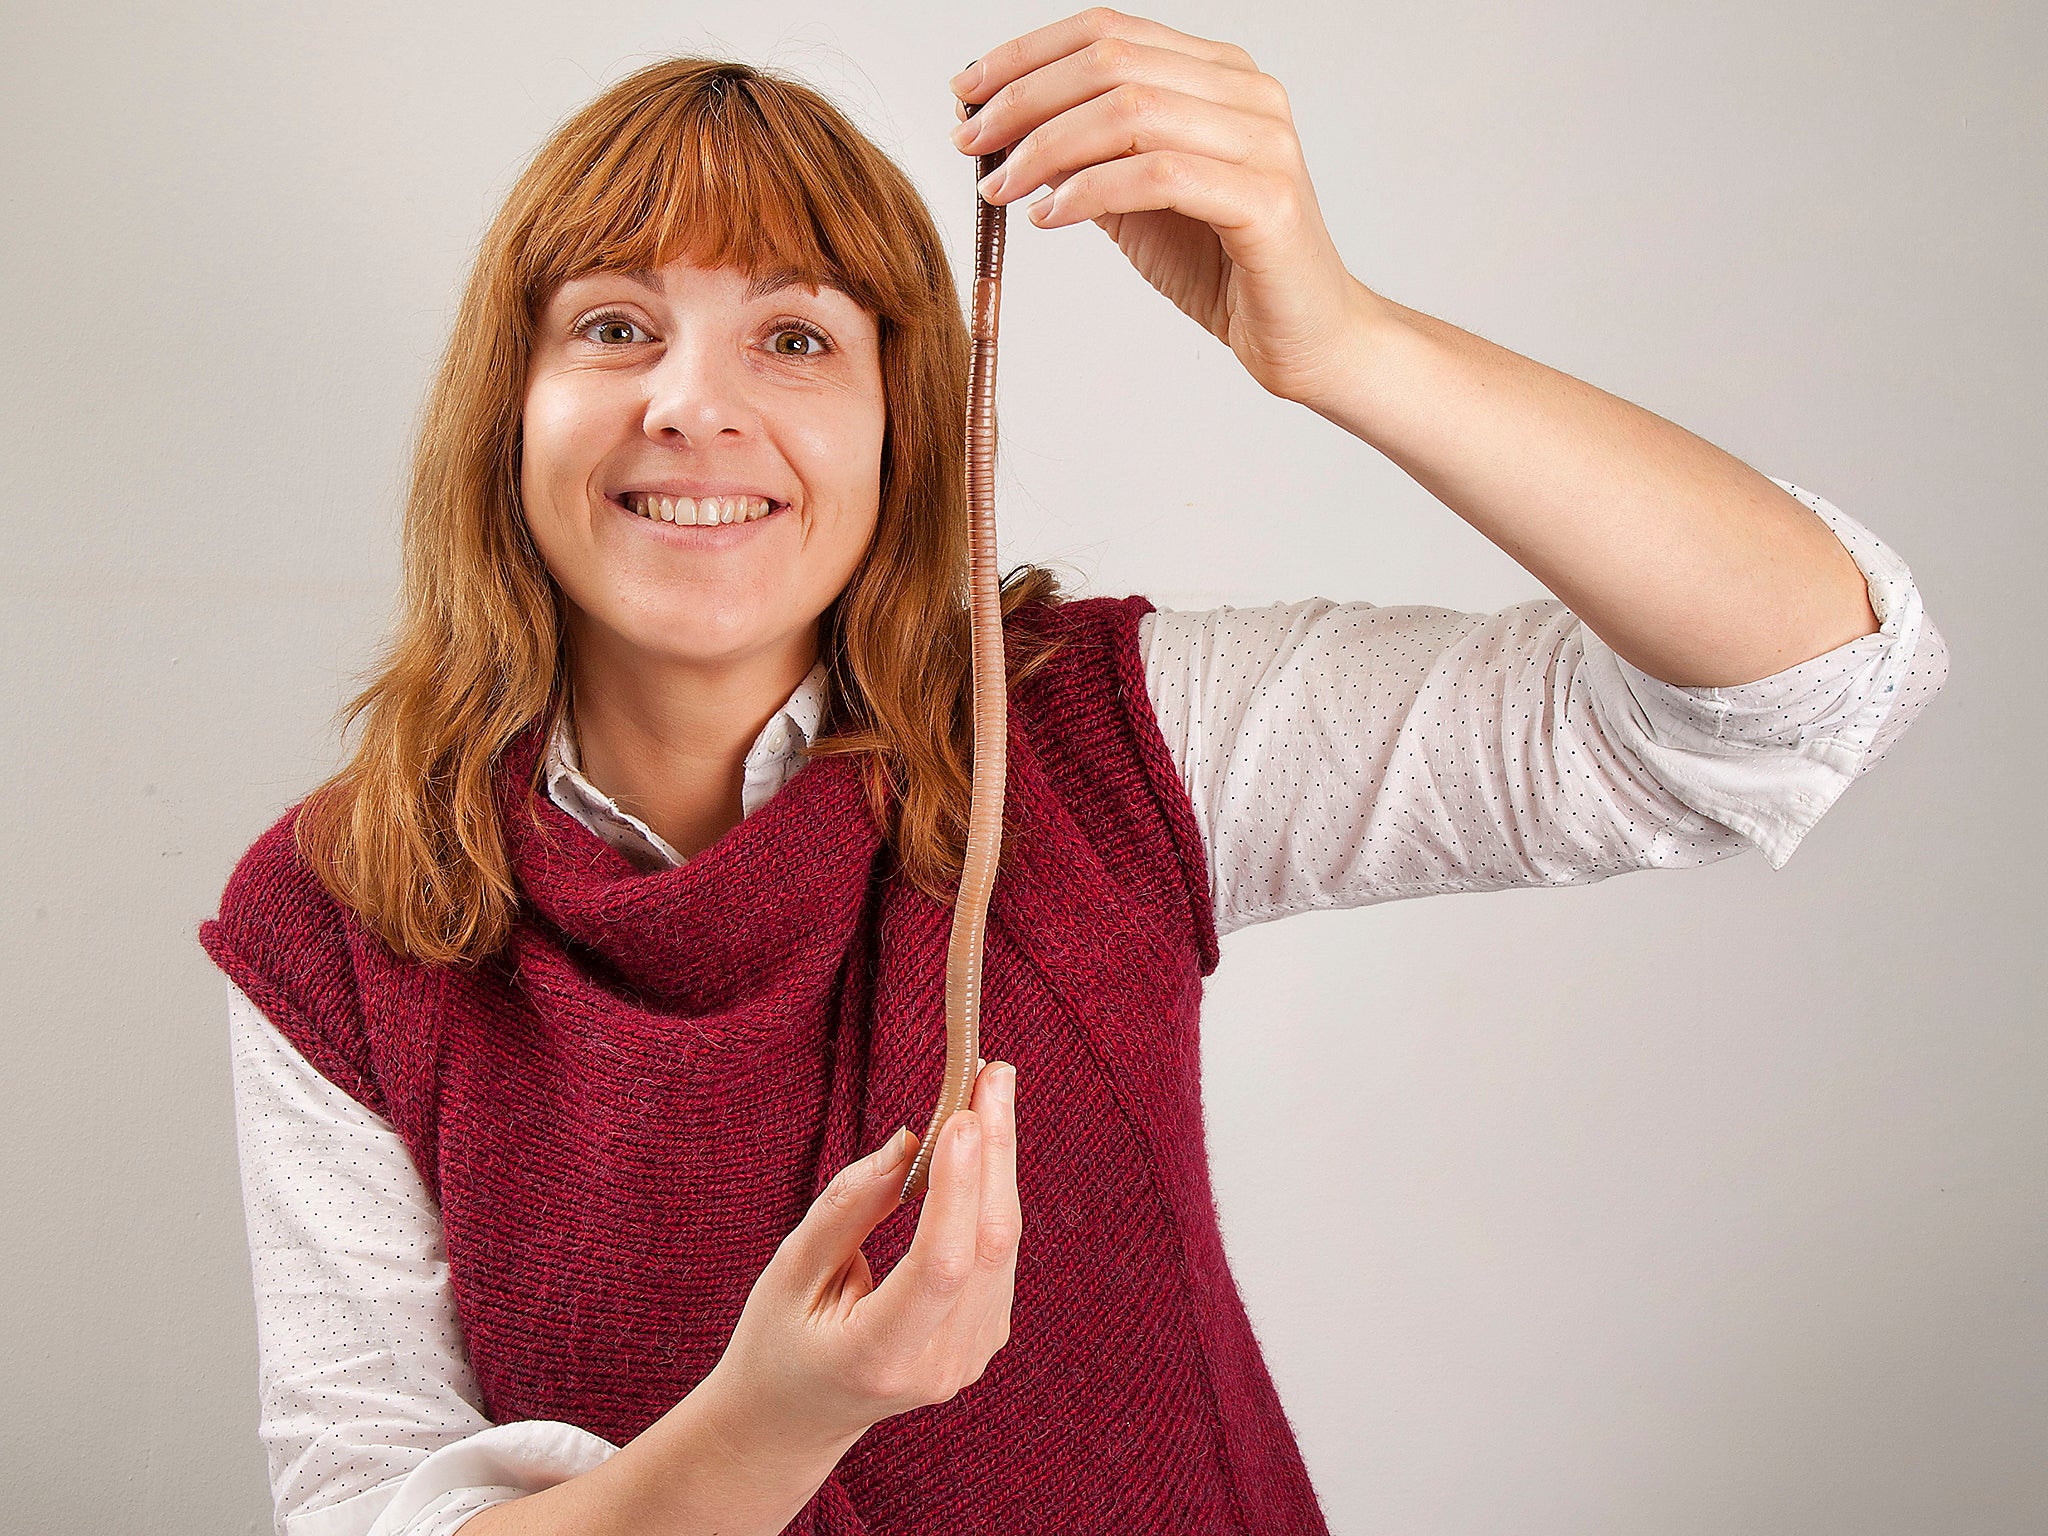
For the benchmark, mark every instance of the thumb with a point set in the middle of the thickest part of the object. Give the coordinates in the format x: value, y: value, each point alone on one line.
x: 852, y: 1205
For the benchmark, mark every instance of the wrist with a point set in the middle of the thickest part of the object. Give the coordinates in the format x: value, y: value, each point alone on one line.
x: 746, y: 1434
x: 708, y: 1467
x: 1375, y: 334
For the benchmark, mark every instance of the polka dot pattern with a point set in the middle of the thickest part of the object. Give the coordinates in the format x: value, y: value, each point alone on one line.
x: 1336, y: 754
x: 1340, y: 754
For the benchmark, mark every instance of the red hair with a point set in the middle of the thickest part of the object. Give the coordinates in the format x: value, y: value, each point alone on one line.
x: 729, y: 166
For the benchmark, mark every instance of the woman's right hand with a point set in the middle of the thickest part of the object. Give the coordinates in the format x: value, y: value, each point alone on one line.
x: 821, y: 1352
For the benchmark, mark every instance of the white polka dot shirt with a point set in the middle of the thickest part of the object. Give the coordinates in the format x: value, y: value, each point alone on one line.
x: 1336, y: 754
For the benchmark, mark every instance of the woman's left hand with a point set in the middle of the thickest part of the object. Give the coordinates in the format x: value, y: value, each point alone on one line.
x: 1186, y: 156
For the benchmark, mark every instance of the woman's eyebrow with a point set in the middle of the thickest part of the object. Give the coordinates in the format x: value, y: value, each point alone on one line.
x: 775, y: 279
x: 772, y: 280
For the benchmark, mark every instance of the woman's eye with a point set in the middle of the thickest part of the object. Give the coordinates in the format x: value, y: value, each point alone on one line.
x: 607, y: 323
x: 613, y: 331
x: 817, y: 339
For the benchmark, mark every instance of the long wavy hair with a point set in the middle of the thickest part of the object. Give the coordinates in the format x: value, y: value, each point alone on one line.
x: 730, y: 166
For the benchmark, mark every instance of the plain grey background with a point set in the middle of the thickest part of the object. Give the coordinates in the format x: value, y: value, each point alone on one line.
x: 1687, y: 1202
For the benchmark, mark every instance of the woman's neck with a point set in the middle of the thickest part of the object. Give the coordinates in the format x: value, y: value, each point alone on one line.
x: 673, y: 750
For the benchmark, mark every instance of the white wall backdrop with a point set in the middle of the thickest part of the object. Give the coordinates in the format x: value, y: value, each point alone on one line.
x: 1689, y: 1202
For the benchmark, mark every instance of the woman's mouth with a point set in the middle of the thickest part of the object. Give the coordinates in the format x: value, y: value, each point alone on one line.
x: 698, y: 520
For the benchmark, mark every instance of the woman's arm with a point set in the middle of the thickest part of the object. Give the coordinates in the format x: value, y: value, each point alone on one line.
x: 687, y: 1474
x: 1693, y: 567
x: 368, y: 1407
x: 1339, y: 754
x: 368, y: 1403
x: 1688, y: 563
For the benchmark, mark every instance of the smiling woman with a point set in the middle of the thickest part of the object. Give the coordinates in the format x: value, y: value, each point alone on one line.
x: 706, y: 281
x: 604, y: 1102
x: 689, y: 478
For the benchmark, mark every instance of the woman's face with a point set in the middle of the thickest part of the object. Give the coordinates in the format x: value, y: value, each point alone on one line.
x: 680, y: 380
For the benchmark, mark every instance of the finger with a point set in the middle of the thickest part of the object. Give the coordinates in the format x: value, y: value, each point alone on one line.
x: 1226, y: 197
x: 977, y: 1321
x: 984, y: 1318
x: 1041, y: 96
x: 1095, y: 27
x: 1001, y: 1215
x: 910, y: 1306
x: 849, y: 1208
x: 1133, y: 120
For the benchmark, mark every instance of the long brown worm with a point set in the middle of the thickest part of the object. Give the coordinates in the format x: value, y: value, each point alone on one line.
x: 991, y: 701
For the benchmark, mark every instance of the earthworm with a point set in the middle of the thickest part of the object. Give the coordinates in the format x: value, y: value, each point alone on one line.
x: 991, y: 703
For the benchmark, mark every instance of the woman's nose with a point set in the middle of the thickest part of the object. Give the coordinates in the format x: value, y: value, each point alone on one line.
x: 697, y: 393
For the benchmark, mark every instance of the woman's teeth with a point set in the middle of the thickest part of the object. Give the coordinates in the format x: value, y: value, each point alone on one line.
x: 690, y: 510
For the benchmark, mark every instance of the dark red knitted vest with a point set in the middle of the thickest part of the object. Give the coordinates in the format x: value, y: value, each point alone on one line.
x: 625, y: 1112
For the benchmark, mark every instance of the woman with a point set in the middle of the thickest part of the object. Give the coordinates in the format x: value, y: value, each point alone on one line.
x: 564, y: 1012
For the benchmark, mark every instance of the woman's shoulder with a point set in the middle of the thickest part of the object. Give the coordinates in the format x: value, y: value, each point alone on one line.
x: 1082, y: 613
x: 295, y: 952
x: 272, y: 870
x: 1075, y: 653
x: 275, y: 918
x: 1091, y: 635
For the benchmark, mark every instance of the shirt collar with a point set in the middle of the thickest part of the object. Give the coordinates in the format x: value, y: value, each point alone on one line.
x: 781, y: 742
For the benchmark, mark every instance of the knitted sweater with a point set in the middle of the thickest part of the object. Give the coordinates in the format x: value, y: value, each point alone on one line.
x: 624, y: 1112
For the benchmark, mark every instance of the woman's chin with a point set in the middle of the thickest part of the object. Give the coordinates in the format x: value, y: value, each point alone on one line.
x: 690, y: 644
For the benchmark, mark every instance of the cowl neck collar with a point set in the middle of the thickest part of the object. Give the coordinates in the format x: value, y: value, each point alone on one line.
x: 781, y: 889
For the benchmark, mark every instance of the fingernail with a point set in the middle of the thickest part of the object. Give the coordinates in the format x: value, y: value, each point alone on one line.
x: 1006, y: 1085
x: 968, y: 78
x: 992, y: 183
x: 892, y: 1153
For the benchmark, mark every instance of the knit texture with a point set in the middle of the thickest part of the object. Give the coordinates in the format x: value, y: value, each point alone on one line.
x: 623, y: 1114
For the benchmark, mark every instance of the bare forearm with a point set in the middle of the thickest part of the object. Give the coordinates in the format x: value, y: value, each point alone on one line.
x: 1686, y: 561
x: 696, y: 1471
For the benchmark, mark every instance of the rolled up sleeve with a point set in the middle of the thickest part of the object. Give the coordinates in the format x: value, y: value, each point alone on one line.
x: 1768, y: 758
